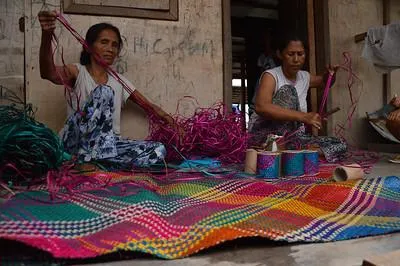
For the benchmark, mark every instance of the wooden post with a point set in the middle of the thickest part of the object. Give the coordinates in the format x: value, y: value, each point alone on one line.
x: 243, y: 90
x: 386, y: 86
x: 311, y: 56
x: 227, y: 53
x: 360, y: 37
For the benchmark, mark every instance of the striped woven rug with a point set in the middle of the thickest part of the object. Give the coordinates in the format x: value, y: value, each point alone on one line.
x: 174, y: 217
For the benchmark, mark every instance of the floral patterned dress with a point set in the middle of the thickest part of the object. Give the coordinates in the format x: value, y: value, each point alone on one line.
x: 88, y: 133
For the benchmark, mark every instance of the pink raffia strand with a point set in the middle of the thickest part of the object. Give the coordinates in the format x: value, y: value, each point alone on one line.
x: 326, y: 93
x: 210, y: 132
x: 190, y: 176
x: 22, y: 176
x: 340, y: 128
x: 65, y: 182
x: 365, y: 159
x: 291, y: 136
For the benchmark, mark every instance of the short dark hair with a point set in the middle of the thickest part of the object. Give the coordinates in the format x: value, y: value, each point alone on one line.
x: 92, y: 35
x: 286, y: 38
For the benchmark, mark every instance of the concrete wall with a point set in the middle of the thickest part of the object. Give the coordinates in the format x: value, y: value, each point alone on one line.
x: 346, y: 19
x: 11, y: 46
x: 165, y: 60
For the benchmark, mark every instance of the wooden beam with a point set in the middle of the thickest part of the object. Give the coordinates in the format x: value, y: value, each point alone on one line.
x: 386, y: 12
x: 311, y: 57
x: 172, y: 13
x: 227, y: 53
x: 322, y: 50
x: 360, y: 37
x: 386, y: 86
x: 254, y: 4
x: 243, y: 98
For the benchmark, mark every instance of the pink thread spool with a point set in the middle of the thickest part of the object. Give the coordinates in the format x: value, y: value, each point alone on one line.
x: 269, y: 165
x: 292, y: 163
x: 311, y: 162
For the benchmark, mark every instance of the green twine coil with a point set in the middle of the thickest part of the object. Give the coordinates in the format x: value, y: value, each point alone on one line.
x: 31, y: 148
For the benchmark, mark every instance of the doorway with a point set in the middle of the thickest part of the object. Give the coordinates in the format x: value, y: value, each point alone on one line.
x: 256, y: 24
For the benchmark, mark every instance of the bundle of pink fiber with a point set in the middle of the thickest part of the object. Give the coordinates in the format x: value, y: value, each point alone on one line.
x: 210, y: 132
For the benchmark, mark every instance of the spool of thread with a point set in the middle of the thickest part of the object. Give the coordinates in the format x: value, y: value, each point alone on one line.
x: 250, y: 164
x: 311, y: 162
x: 269, y: 164
x: 293, y: 163
x: 348, y: 172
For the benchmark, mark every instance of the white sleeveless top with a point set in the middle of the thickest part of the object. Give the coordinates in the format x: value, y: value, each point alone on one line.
x: 85, y: 84
x: 302, y: 84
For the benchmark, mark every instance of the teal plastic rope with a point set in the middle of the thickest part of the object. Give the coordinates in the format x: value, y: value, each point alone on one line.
x: 28, y: 149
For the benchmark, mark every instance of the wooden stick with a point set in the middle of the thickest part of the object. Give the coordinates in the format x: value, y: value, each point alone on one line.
x: 331, y: 112
x: 360, y: 37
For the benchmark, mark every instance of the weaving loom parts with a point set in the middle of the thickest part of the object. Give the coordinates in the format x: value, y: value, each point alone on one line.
x: 288, y: 163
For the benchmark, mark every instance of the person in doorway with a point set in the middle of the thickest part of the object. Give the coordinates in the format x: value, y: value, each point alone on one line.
x: 267, y: 58
x: 281, y: 105
x: 95, y: 99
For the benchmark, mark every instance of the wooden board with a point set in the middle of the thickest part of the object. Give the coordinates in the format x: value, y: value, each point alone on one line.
x: 311, y: 57
x: 227, y: 52
x: 144, y: 4
x: 152, y: 9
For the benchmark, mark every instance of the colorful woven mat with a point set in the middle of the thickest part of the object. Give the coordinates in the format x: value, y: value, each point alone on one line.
x: 173, y: 219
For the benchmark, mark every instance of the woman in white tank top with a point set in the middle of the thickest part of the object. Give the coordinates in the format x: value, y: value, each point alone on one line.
x: 95, y: 99
x: 281, y: 100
